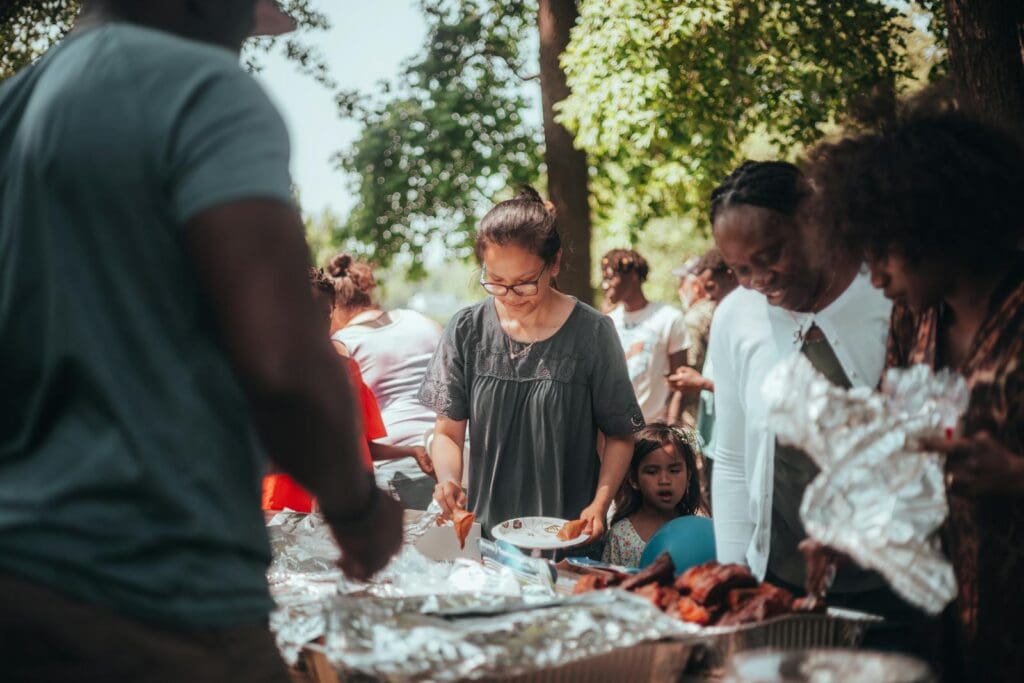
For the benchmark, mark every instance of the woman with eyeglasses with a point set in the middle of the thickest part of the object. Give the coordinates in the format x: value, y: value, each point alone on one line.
x: 533, y: 375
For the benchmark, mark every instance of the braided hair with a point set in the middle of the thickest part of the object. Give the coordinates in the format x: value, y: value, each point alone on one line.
x: 527, y: 221
x: 775, y: 185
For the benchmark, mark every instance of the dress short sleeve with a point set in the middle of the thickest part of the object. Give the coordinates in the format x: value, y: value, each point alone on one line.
x: 445, y: 387
x: 615, y: 407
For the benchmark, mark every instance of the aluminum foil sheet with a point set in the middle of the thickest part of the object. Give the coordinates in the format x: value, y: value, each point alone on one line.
x: 406, y: 640
x: 878, y: 498
x: 304, y: 577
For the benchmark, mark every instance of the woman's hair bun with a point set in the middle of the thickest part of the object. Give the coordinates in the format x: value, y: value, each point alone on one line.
x: 527, y: 193
x: 339, y: 265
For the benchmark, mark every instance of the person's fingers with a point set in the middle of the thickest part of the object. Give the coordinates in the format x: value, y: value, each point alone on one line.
x: 442, y: 500
x: 588, y: 528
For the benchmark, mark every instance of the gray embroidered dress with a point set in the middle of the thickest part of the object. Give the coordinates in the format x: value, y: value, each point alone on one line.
x: 533, y: 419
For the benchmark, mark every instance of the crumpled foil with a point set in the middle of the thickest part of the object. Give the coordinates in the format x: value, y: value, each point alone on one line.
x: 304, y: 576
x: 878, y: 498
x: 405, y: 639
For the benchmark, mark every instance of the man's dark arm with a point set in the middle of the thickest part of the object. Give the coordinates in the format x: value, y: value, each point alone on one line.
x: 252, y: 259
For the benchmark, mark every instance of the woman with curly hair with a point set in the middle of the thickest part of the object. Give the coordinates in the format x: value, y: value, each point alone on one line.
x: 935, y: 203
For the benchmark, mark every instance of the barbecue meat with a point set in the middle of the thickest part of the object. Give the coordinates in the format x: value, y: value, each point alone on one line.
x: 590, y: 582
x: 660, y: 571
x: 709, y: 584
x: 748, y: 606
x: 688, y: 610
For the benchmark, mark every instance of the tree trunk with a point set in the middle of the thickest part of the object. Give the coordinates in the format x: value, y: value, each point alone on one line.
x: 567, y: 166
x: 986, y: 58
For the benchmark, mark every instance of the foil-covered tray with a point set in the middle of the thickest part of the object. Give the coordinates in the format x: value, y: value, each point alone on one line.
x: 835, y: 628
x: 455, y: 620
x: 396, y: 640
x: 878, y: 497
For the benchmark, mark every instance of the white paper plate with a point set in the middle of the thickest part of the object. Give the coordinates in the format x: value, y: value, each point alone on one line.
x: 540, y: 533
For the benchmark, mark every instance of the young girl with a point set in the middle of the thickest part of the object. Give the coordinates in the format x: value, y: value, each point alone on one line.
x: 662, y: 484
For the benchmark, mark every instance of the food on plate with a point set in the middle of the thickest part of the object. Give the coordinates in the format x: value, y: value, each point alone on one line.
x: 516, y: 524
x: 463, y: 521
x: 571, y: 530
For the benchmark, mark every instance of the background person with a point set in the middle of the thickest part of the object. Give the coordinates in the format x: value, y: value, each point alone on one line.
x: 533, y: 374
x: 933, y: 201
x: 145, y: 170
x: 392, y: 349
x: 695, y: 381
x: 653, y: 335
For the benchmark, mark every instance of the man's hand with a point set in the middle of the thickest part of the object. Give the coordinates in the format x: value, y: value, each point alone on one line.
x: 979, y: 465
x: 450, y: 496
x: 368, y: 544
x: 686, y: 380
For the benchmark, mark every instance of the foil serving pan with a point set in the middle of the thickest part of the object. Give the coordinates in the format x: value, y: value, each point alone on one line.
x: 834, y: 628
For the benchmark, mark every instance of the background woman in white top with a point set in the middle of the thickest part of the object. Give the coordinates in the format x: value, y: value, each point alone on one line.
x: 392, y: 349
x: 790, y: 302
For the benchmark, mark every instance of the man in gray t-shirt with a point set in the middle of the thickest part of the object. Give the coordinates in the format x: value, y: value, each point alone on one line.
x: 154, y: 310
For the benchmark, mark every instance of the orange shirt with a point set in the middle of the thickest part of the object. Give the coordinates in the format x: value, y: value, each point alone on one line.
x: 281, y: 491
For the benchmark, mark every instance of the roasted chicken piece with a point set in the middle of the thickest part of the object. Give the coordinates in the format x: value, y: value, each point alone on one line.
x: 709, y: 584
x: 590, y: 582
x: 688, y: 610
x: 660, y: 571
x: 571, y: 530
x: 755, y: 605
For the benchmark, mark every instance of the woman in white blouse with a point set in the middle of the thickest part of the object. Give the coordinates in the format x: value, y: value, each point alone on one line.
x: 791, y: 301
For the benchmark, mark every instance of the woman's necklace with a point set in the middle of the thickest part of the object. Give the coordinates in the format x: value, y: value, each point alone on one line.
x: 512, y: 355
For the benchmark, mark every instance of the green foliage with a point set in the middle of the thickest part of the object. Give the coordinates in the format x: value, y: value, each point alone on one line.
x: 28, y: 28
x: 666, y: 95
x: 449, y: 138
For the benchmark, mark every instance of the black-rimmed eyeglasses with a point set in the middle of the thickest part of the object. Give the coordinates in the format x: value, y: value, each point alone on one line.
x: 519, y: 289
